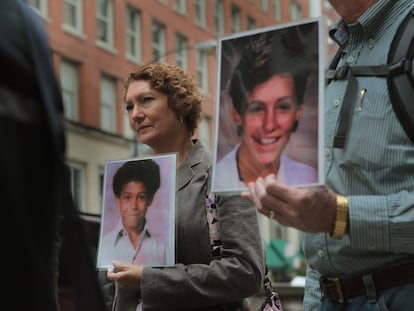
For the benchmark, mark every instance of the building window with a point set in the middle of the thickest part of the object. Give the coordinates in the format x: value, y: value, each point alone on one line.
x: 235, y: 19
x: 204, y: 130
x: 72, y: 15
x: 264, y: 5
x: 69, y: 80
x: 104, y: 20
x: 277, y: 9
x: 200, y: 13
x: 77, y: 177
x: 180, y: 6
x: 101, y: 179
x: 139, y: 149
x: 219, y: 17
x: 108, y: 104
x: 181, y: 51
x: 40, y: 6
x: 202, y: 70
x: 128, y: 132
x: 295, y: 11
x: 133, y: 34
x: 158, y: 41
x: 251, y: 23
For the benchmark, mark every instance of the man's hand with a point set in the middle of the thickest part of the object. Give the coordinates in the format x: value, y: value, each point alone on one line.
x: 127, y: 276
x: 306, y: 209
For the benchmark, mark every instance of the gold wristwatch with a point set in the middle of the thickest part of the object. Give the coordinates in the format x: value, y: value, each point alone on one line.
x: 341, y: 218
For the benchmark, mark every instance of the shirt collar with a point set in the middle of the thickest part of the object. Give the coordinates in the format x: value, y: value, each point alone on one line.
x: 372, y: 22
x: 121, y: 232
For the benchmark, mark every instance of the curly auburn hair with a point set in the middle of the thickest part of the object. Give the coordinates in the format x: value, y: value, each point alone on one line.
x: 184, y: 96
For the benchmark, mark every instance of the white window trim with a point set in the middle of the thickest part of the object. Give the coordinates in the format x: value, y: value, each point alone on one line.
x: 74, y: 106
x: 109, y: 22
x: 77, y: 30
x: 81, y: 195
x: 201, y: 19
x: 159, y: 46
x: 134, y: 33
x: 181, y: 54
x: 42, y: 10
x: 219, y: 17
x: 202, y: 70
x: 180, y: 6
x: 108, y: 105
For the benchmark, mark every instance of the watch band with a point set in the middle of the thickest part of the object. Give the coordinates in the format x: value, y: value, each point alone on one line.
x: 341, y: 218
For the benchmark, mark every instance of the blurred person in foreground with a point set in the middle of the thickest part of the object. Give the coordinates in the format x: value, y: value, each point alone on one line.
x: 34, y: 183
x: 164, y: 107
x: 359, y: 241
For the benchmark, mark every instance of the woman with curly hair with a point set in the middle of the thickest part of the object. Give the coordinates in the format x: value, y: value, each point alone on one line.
x: 164, y: 106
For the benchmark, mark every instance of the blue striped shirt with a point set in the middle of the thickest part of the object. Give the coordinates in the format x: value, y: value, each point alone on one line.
x: 375, y: 169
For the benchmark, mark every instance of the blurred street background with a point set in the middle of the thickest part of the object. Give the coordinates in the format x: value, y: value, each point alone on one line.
x: 96, y: 43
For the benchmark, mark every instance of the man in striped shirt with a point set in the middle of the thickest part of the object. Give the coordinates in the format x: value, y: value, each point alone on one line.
x: 359, y: 228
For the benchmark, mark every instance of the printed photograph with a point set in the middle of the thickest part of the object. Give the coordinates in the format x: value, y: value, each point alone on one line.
x: 269, y: 106
x: 138, y: 213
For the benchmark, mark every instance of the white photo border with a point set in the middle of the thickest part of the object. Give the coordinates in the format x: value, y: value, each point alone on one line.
x: 160, y: 215
x: 224, y: 124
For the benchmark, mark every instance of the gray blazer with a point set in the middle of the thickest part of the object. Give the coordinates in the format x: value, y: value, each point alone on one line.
x: 198, y: 281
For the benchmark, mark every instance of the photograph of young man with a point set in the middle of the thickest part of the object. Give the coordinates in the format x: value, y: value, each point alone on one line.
x: 267, y: 90
x: 135, y: 187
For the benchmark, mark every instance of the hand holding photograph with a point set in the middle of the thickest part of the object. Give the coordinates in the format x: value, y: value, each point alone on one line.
x: 138, y: 216
x: 270, y: 86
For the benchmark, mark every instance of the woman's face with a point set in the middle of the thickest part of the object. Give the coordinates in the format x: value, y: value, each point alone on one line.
x: 150, y: 117
x: 133, y: 204
x: 269, y: 118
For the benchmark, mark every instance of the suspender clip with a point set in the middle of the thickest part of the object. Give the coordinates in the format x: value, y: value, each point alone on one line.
x: 403, y: 66
x: 341, y: 72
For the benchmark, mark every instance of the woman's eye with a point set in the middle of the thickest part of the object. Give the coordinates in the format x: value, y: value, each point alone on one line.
x: 147, y: 99
x: 129, y: 107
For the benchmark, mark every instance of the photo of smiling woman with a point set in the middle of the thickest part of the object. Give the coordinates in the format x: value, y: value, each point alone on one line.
x: 139, y: 212
x: 269, y: 89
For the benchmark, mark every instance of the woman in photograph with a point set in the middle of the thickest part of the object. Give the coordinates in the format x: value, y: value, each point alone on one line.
x: 164, y: 106
x: 266, y: 89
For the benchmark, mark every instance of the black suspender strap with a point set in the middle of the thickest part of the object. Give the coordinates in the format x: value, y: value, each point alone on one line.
x: 401, y: 83
x: 331, y: 72
x: 346, y: 109
x: 398, y: 72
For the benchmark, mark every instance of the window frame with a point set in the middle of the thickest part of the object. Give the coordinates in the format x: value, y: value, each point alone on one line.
x: 77, y: 5
x: 69, y: 80
x: 107, y: 21
x: 133, y: 35
x: 108, y: 105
